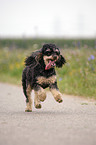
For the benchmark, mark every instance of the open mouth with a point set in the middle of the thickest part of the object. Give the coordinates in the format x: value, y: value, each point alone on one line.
x: 51, y: 64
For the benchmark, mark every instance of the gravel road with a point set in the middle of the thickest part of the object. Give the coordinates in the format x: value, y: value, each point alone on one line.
x: 72, y: 122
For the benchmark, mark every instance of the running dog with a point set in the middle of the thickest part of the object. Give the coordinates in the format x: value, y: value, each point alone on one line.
x: 39, y: 74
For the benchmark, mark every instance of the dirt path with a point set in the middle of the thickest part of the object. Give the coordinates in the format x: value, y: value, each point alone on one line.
x: 71, y: 123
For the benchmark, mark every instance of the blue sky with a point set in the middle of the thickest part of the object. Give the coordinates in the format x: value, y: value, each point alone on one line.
x: 48, y: 18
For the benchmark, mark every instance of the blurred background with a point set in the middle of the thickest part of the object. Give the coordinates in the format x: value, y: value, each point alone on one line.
x: 25, y: 25
x: 48, y: 18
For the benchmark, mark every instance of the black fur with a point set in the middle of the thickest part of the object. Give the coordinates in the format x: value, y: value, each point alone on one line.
x: 35, y: 67
x: 60, y: 61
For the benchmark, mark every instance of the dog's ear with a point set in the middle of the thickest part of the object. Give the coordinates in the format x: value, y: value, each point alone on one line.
x: 60, y: 61
x: 34, y: 58
x: 30, y: 60
x: 38, y: 57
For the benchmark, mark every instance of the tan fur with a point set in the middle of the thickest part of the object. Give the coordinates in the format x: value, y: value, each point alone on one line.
x: 40, y: 95
x: 36, y: 100
x: 43, y: 80
x: 29, y: 104
x: 57, y: 95
x: 46, y: 58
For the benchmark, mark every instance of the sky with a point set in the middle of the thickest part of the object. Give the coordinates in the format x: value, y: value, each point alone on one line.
x: 47, y: 18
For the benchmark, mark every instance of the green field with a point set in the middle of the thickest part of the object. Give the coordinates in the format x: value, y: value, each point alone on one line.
x: 26, y: 43
x: 77, y: 77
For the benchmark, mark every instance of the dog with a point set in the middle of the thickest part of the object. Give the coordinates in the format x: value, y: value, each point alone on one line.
x: 39, y: 74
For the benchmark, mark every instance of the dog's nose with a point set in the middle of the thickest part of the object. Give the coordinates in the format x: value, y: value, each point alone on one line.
x: 55, y: 56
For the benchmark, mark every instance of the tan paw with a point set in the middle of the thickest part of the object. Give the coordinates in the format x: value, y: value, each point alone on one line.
x: 27, y: 110
x: 38, y: 106
x: 58, y: 99
x: 42, y: 97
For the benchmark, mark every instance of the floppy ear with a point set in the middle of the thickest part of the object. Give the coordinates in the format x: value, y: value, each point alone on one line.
x: 60, y: 61
x: 33, y: 59
x: 38, y: 57
x: 30, y: 60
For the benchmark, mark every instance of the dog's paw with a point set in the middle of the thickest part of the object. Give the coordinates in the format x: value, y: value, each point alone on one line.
x: 38, y: 106
x: 42, y: 96
x: 28, y: 110
x: 42, y: 99
x: 58, y: 98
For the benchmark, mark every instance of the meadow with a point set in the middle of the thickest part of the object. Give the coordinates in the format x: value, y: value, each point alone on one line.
x: 77, y: 77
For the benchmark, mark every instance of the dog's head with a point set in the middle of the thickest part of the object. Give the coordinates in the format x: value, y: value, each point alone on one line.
x: 51, y: 56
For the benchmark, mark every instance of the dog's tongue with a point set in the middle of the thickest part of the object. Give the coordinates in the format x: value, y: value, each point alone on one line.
x: 50, y: 65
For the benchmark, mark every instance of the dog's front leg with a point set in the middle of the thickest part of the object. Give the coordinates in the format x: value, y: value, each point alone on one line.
x: 55, y: 92
x: 40, y: 95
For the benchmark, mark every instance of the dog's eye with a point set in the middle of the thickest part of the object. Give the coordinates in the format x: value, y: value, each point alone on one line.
x: 57, y: 53
x: 48, y: 53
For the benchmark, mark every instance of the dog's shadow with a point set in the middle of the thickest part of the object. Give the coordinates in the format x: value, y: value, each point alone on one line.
x: 41, y: 113
x: 48, y: 113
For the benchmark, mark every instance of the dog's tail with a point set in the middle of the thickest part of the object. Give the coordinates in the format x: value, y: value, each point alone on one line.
x: 24, y: 82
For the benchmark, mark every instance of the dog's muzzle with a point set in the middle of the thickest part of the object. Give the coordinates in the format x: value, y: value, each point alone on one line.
x: 51, y: 64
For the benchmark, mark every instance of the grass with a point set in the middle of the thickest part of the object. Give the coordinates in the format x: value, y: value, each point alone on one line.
x: 12, y: 64
x: 84, y: 103
x: 77, y: 77
x: 25, y: 43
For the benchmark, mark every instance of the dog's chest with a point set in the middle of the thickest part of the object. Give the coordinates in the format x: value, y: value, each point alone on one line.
x: 43, y: 80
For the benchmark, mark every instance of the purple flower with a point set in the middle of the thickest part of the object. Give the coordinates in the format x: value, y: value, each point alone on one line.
x: 60, y: 79
x: 92, y: 57
x: 89, y: 58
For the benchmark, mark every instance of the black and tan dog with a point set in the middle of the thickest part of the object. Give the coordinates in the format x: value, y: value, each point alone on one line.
x: 39, y: 74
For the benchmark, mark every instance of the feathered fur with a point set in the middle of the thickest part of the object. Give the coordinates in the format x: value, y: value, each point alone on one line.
x: 40, y: 66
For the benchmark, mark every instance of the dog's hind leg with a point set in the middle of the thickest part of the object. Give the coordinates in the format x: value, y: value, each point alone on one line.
x: 40, y: 95
x: 28, y: 100
x: 37, y: 101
